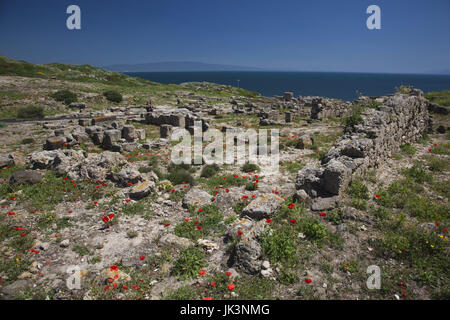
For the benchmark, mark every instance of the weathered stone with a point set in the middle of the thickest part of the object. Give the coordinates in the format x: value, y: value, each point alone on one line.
x: 196, y: 197
x: 336, y: 176
x: 25, y: 177
x: 101, y: 119
x: 140, y: 134
x: 128, y: 133
x: 263, y: 206
x: 85, y: 122
x: 110, y: 138
x: 54, y: 143
x: 165, y: 131
x: 173, y: 240
x: 141, y: 190
x: 287, y: 96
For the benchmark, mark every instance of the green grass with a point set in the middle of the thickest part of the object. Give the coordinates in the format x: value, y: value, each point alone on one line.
x: 436, y: 164
x: 408, y: 149
x: 292, y: 166
x: 278, y: 246
x: 209, y: 219
x: 355, y: 116
x: 65, y: 96
x: 442, y: 98
x: 81, y: 249
x: 30, y: 112
x: 225, y: 181
x: 406, y: 194
x: 53, y: 191
x: 209, y: 170
x: 358, y: 189
x: 190, y: 261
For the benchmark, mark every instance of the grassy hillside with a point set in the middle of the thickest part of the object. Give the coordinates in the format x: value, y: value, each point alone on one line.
x: 89, y: 83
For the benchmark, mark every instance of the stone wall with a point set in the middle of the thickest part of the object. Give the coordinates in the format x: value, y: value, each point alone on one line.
x: 401, y: 119
x: 324, y: 108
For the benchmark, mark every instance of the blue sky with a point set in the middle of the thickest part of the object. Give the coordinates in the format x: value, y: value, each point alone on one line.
x: 312, y: 35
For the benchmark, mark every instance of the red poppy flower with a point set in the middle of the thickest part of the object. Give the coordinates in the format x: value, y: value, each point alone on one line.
x: 430, y: 150
x: 166, y: 225
x: 268, y: 221
x: 444, y: 230
x: 228, y: 274
x: 213, y: 199
x: 213, y: 284
x: 113, y: 267
x: 404, y: 294
x: 292, y: 221
x: 136, y: 287
x: 105, y: 219
x: 106, y: 287
x: 377, y: 196
x: 95, y: 203
x: 207, y: 298
x: 13, y: 198
x: 11, y: 213
x: 125, y: 287
x: 231, y: 286
x: 202, y: 272
x: 200, y: 210
x: 227, y: 190
x: 70, y: 211
x: 173, y: 190
x: 308, y: 280
x: 186, y: 219
x: 437, y: 223
x: 199, y: 228
x: 127, y: 200
x: 141, y: 258
x: 111, y: 216
x: 239, y: 233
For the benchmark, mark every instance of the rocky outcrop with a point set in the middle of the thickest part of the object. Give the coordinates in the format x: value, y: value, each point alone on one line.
x: 401, y: 119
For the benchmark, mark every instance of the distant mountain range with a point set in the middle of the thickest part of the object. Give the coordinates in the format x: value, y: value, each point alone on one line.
x: 176, y: 66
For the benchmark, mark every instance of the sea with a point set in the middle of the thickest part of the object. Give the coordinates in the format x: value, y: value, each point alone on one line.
x: 344, y: 86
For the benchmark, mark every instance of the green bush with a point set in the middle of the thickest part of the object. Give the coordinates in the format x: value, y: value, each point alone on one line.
x: 209, y: 170
x: 313, y: 230
x: 355, y: 116
x: 113, y: 96
x: 358, y: 189
x: 278, y: 246
x: 250, y: 167
x: 418, y: 173
x: 180, y: 176
x: 30, y: 112
x: 65, y: 96
x: 189, y: 263
x: 408, y: 149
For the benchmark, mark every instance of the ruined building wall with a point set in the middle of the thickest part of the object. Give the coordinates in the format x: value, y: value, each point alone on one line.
x: 401, y: 119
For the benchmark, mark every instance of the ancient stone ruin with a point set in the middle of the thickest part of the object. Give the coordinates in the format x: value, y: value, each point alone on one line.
x: 401, y: 119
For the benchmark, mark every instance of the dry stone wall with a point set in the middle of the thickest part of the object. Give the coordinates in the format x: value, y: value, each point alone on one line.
x: 401, y: 119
